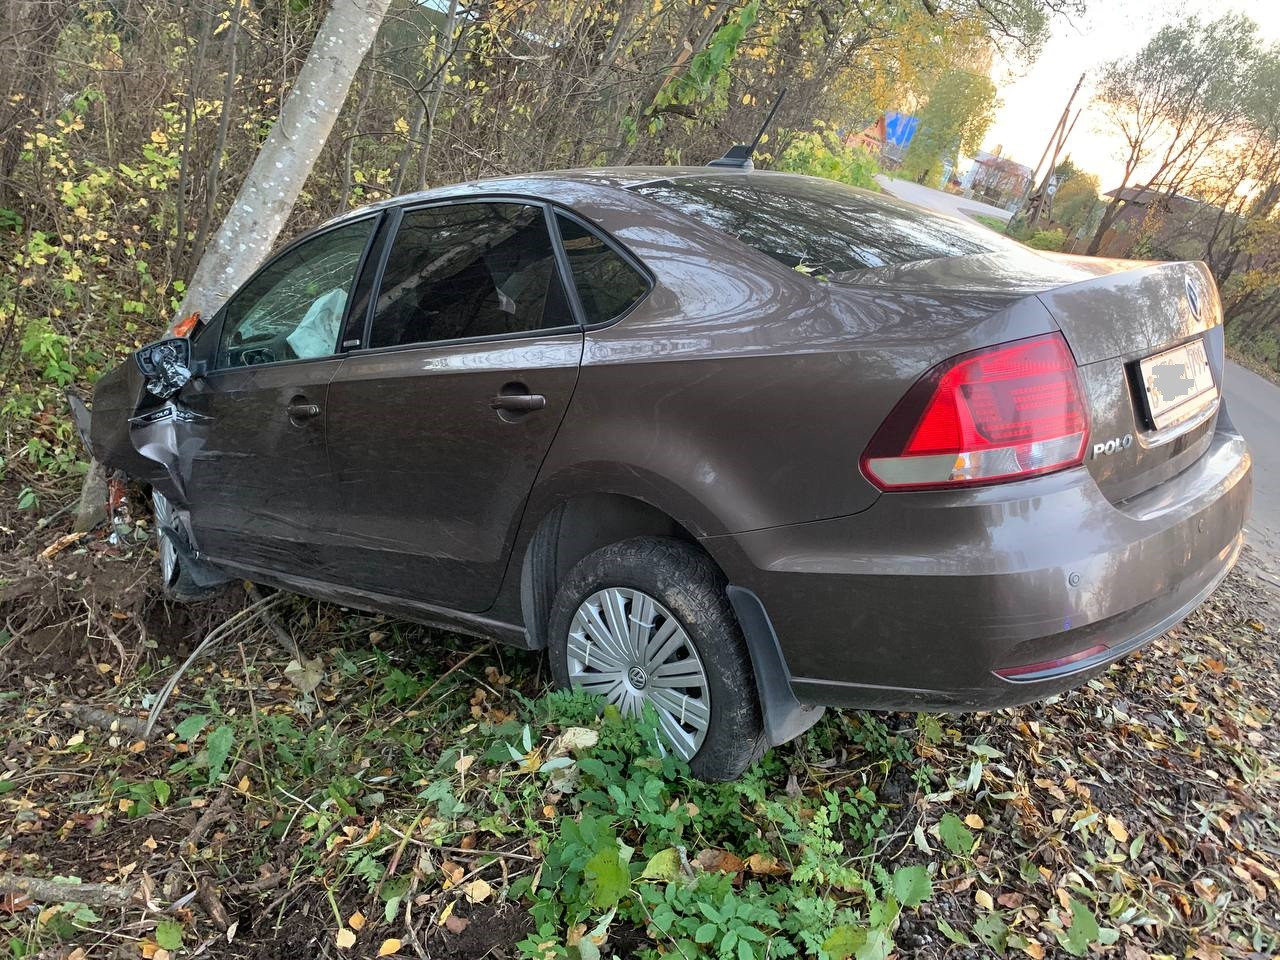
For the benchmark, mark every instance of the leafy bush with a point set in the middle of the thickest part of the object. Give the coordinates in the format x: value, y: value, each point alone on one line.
x: 627, y: 856
x: 1047, y: 240
x: 823, y: 154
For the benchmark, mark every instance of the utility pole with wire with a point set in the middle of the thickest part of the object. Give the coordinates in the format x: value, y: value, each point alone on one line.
x: 1054, y: 144
x: 1042, y: 199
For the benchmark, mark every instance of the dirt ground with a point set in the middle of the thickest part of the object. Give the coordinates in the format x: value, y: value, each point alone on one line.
x: 1152, y: 792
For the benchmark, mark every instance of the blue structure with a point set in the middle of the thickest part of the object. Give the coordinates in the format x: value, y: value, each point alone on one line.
x: 899, y: 128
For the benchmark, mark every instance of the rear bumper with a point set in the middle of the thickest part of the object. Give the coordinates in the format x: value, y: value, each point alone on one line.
x: 918, y: 601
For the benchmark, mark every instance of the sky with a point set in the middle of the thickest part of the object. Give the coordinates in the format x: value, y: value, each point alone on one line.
x: 1033, y: 97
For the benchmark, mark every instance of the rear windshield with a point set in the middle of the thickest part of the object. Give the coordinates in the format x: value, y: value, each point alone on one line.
x: 819, y: 227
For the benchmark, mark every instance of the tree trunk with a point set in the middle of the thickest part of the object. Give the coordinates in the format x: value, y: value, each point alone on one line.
x: 1108, y: 218
x: 267, y: 196
x: 285, y: 160
x: 213, y: 177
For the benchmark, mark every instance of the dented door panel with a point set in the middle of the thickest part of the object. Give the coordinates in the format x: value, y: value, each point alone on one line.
x: 257, y: 472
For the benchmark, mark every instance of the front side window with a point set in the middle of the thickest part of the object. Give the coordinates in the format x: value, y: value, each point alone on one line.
x: 293, y: 309
x: 820, y: 227
x: 465, y: 270
x: 607, y: 285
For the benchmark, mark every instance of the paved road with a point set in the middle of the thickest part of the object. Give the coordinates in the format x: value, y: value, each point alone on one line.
x: 1254, y: 406
x: 937, y: 200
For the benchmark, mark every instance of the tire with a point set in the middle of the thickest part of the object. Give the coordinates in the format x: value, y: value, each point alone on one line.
x: 670, y: 600
x: 175, y: 580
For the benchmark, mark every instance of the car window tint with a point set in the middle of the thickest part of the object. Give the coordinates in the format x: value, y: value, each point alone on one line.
x: 466, y: 270
x: 607, y: 285
x: 293, y: 308
x: 819, y: 227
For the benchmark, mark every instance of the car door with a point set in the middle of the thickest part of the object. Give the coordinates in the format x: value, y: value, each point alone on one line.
x: 438, y: 426
x: 259, y: 486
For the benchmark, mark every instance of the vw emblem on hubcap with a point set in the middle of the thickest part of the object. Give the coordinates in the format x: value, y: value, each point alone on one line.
x: 638, y: 677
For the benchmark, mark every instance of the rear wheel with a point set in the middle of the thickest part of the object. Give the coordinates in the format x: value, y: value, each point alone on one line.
x: 645, y: 623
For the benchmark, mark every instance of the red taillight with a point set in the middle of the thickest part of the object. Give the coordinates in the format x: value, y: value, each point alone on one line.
x: 998, y: 414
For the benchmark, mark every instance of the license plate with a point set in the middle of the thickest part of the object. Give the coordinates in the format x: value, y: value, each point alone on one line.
x: 1178, y: 383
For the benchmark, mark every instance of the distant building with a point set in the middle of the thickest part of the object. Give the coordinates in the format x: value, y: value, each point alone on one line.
x: 871, y: 139
x: 1155, y: 225
x: 997, y: 180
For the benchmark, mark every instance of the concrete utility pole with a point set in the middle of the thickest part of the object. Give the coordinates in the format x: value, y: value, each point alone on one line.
x: 1055, y: 142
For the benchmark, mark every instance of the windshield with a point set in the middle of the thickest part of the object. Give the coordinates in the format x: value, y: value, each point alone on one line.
x: 820, y: 227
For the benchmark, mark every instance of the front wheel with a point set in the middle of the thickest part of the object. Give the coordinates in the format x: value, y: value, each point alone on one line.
x: 175, y: 579
x: 646, y: 622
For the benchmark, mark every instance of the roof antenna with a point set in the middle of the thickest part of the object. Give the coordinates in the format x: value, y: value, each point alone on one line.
x: 739, y: 156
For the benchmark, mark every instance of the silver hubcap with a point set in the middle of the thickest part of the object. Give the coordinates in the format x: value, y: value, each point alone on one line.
x: 627, y: 647
x: 163, y: 513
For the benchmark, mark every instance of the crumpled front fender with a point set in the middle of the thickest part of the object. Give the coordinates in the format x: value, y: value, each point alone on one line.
x: 131, y: 430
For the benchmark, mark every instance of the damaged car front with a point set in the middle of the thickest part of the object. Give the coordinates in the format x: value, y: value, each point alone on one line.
x: 133, y: 430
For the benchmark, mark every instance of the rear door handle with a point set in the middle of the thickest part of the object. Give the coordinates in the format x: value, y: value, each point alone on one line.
x: 522, y: 402
x: 303, y: 411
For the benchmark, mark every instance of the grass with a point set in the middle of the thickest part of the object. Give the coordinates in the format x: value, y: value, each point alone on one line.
x: 404, y: 791
x: 994, y: 223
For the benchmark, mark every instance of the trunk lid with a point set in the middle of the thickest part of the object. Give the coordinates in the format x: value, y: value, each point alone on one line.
x: 1115, y: 322
x: 1113, y: 314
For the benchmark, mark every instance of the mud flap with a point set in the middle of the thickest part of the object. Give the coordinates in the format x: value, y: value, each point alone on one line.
x: 785, y: 717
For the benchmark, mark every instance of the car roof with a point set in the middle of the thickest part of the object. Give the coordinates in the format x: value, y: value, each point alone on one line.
x: 558, y: 184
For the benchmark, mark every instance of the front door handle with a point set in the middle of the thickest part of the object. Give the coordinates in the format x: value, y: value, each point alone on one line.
x: 303, y: 411
x: 520, y: 402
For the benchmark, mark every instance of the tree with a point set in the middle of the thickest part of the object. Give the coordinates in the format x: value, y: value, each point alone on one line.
x: 955, y: 118
x: 1242, y: 177
x: 1076, y: 197
x: 285, y: 159
x: 268, y: 193
x: 1173, y: 100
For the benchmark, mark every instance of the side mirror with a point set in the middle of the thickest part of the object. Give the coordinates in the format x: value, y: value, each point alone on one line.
x: 165, y: 365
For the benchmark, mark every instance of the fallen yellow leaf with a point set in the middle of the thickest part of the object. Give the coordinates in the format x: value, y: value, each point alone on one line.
x: 973, y: 821
x: 477, y: 891
x: 983, y: 899
x: 1117, y: 830
x: 345, y: 939
x: 389, y: 946
x: 765, y: 864
x: 356, y: 921
x: 1033, y: 950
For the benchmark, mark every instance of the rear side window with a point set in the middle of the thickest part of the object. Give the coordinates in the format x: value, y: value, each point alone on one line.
x: 466, y: 270
x: 819, y: 227
x: 607, y: 285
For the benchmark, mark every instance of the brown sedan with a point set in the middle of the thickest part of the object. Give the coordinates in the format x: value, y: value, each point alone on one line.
x: 731, y: 445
